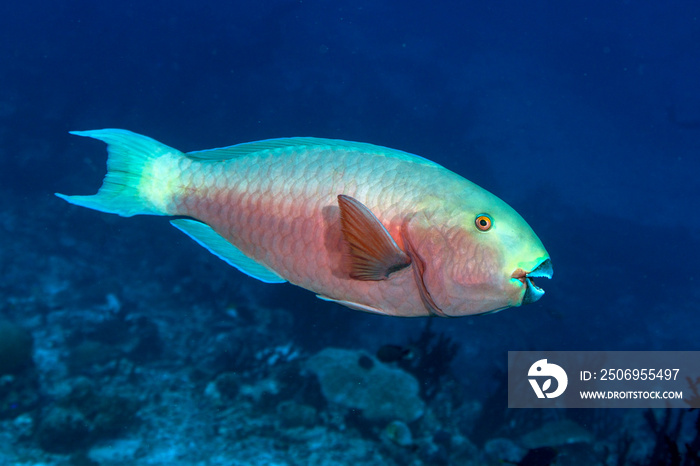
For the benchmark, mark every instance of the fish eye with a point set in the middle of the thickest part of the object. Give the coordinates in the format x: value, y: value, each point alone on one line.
x: 483, y: 222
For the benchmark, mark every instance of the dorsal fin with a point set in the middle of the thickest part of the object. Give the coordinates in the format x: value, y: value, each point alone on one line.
x: 247, y: 148
x: 374, y: 254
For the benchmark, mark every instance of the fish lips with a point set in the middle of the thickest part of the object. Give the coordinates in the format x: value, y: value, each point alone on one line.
x: 533, y: 292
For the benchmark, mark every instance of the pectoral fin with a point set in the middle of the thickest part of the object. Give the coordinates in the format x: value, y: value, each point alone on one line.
x: 374, y: 254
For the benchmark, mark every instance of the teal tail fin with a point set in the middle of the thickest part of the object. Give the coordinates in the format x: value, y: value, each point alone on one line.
x: 133, y: 184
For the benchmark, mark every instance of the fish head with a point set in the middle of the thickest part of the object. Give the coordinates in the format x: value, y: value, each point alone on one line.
x: 482, y: 257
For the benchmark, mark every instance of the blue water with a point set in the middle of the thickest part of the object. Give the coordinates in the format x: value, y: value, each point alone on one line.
x: 584, y: 116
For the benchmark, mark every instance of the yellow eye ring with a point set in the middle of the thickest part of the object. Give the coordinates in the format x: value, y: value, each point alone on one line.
x: 483, y: 222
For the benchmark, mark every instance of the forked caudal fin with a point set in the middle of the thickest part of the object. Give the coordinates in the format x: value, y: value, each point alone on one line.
x: 135, y: 183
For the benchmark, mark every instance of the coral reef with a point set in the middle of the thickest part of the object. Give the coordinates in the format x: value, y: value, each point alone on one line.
x: 669, y: 447
x: 356, y: 380
x: 436, y: 351
x: 187, y: 366
x: 556, y: 433
x: 84, y: 416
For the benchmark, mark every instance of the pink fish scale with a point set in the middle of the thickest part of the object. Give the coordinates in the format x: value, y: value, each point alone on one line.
x: 282, y: 210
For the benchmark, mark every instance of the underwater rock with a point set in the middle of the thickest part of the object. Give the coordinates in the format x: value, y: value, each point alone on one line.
x: 504, y: 450
x: 15, y: 348
x: 229, y: 388
x: 381, y: 392
x: 293, y: 414
x: 83, y: 417
x: 90, y: 354
x: 443, y: 439
x: 114, y: 415
x: 399, y: 433
x: 121, y: 451
x: 145, y: 343
x: 97, y: 344
x: 464, y: 452
x: 62, y: 430
x: 556, y: 433
x: 261, y: 390
x: 223, y: 352
x: 224, y: 389
x: 18, y: 394
x: 107, y: 413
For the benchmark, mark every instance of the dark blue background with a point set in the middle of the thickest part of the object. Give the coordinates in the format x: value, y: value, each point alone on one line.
x: 584, y: 116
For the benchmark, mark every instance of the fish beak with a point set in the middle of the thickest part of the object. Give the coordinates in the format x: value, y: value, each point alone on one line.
x: 533, y: 292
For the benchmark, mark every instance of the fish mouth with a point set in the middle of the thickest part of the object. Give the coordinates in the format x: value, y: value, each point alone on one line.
x: 533, y: 292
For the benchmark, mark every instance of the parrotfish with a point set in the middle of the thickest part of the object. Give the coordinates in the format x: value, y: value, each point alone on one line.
x: 365, y: 226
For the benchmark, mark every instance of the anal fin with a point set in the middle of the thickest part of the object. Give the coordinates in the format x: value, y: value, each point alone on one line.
x: 352, y: 305
x: 224, y: 250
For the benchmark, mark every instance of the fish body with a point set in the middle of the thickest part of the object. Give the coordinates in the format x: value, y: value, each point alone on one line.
x: 372, y: 228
